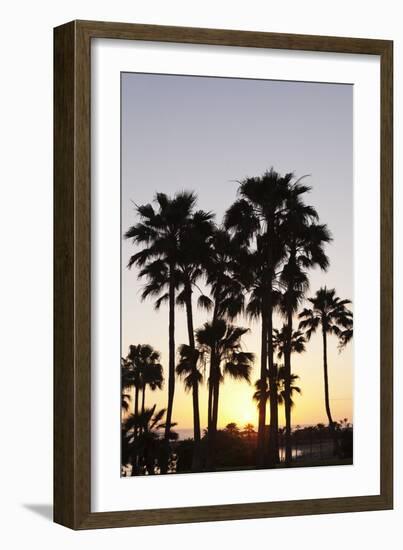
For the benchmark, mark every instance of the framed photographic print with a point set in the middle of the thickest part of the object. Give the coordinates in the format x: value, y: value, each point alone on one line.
x: 223, y: 275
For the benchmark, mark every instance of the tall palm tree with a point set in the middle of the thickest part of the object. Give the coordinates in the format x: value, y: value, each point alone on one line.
x: 256, y: 217
x: 159, y: 233
x: 304, y: 241
x: 330, y: 314
x: 222, y: 341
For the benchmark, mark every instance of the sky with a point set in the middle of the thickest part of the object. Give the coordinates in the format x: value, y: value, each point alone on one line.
x: 204, y: 134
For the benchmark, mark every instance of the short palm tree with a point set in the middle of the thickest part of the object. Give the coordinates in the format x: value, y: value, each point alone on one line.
x: 144, y: 450
x: 187, y: 369
x: 127, y: 382
x: 330, y: 314
x: 222, y: 341
x: 225, y: 267
x: 145, y: 369
x: 282, y: 389
x: 263, y: 392
x: 152, y: 377
x: 298, y: 341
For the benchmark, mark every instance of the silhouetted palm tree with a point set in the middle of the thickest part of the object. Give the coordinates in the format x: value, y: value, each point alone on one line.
x: 193, y: 253
x: 159, y: 233
x: 256, y: 216
x: 261, y: 393
x: 188, y: 370
x: 304, y: 242
x: 152, y: 376
x: 127, y: 378
x: 282, y: 388
x: 330, y: 314
x: 279, y: 341
x: 143, y: 362
x: 225, y: 271
x: 222, y: 341
x: 144, y: 450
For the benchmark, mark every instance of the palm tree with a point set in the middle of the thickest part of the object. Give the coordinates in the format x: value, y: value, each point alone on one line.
x: 256, y: 217
x: 329, y: 313
x: 194, y: 250
x: 127, y: 383
x: 225, y: 267
x: 260, y: 393
x: 279, y: 341
x: 282, y: 392
x: 143, y: 451
x: 304, y: 242
x: 152, y: 376
x: 145, y: 369
x: 188, y: 370
x: 159, y: 233
x: 222, y: 342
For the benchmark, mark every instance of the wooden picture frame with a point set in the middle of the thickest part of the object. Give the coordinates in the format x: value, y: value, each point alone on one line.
x: 72, y: 269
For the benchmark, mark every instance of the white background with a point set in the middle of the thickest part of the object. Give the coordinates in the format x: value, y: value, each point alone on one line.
x: 26, y: 279
x: 111, y: 492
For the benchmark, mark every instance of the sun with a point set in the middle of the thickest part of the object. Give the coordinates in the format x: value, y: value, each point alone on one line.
x: 247, y: 417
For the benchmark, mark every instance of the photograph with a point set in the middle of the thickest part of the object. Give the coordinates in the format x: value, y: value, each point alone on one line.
x: 237, y: 292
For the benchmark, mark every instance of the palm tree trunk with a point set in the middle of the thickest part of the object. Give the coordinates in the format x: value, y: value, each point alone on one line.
x: 135, y: 457
x: 196, y: 462
x: 143, y: 392
x: 215, y: 396
x: 214, y: 418
x: 287, y: 386
x: 171, y: 367
x: 136, y: 406
x: 143, y: 399
x: 212, y: 397
x: 326, y: 379
x: 262, y: 402
x: 327, y: 399
x: 210, y: 425
x: 273, y: 435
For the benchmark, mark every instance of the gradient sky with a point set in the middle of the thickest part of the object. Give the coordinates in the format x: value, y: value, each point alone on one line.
x: 202, y: 134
